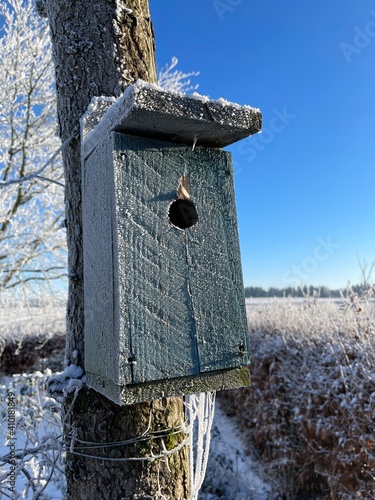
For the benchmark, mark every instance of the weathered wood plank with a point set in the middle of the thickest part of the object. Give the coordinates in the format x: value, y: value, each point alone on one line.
x: 197, y: 272
x: 220, y: 380
x: 215, y: 265
x: 153, y: 283
x: 102, y: 342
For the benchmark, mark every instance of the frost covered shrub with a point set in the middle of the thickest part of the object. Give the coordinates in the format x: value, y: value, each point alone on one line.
x: 37, y: 457
x: 310, y: 412
x: 32, y: 334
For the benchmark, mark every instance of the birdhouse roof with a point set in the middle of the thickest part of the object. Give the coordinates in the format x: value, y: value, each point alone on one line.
x: 149, y: 111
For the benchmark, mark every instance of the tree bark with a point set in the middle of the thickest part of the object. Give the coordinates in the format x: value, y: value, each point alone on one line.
x: 99, y: 47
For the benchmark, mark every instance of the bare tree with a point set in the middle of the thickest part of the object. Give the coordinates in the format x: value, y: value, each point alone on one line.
x: 99, y: 47
x: 366, y: 269
x: 32, y: 242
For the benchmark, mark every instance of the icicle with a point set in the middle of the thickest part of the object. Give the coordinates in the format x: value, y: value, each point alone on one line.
x: 201, y: 409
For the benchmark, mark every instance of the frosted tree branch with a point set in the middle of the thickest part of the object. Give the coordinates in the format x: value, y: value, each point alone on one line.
x: 31, y: 201
x: 37, y: 173
x: 176, y: 81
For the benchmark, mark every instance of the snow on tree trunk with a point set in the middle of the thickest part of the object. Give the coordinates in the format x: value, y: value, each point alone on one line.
x: 99, y: 47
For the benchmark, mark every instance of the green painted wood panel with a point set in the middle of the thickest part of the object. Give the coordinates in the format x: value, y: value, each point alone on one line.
x: 153, y: 283
x: 215, y: 265
x: 181, y: 292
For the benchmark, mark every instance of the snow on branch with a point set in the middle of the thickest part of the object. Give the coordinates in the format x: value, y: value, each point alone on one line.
x: 37, y: 173
x: 176, y: 81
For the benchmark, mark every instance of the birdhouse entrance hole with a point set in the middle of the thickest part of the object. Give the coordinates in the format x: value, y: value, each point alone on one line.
x: 183, y: 214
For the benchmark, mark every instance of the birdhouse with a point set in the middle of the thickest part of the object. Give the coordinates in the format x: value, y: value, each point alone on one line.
x: 163, y: 289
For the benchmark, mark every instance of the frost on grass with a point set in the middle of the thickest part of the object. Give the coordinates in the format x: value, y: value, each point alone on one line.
x: 309, y: 415
x: 310, y: 412
x: 35, y: 447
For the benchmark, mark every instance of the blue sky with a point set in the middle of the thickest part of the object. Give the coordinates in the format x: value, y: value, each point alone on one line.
x: 304, y: 186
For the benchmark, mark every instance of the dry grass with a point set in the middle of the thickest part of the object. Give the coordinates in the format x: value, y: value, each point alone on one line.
x: 310, y: 413
x: 32, y: 335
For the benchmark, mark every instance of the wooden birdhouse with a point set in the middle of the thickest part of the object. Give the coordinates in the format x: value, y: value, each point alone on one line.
x: 164, y: 296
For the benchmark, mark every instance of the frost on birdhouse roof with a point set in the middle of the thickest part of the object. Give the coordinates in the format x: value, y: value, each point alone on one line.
x: 149, y: 111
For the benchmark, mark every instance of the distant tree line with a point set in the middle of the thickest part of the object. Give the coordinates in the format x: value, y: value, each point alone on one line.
x: 322, y: 291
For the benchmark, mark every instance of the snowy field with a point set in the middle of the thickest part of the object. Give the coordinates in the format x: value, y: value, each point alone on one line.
x: 266, y: 301
x: 34, y: 317
x: 309, y: 413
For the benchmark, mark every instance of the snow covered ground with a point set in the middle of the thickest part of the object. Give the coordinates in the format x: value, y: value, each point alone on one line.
x: 231, y: 475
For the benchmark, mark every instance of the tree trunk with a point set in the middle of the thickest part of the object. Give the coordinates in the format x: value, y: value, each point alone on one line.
x: 99, y: 47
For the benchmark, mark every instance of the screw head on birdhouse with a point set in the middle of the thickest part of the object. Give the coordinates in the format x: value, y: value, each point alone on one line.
x: 164, y: 298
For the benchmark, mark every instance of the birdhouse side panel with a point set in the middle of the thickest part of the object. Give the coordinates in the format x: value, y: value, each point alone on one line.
x: 102, y: 349
x: 155, y: 302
